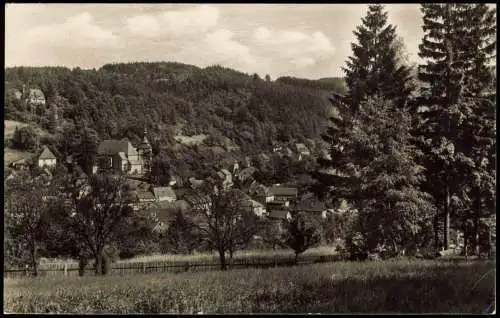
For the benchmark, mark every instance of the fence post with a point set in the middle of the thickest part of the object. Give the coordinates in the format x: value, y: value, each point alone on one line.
x: 144, y: 267
x: 65, y: 269
x: 26, y: 269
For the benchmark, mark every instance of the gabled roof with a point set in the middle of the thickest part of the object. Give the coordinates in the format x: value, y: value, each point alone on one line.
x: 37, y: 93
x: 145, y: 194
x: 164, y: 192
x: 113, y: 146
x: 310, y: 205
x: 302, y: 148
x: 278, y: 214
x: 277, y: 190
x: 247, y: 172
x: 46, y: 154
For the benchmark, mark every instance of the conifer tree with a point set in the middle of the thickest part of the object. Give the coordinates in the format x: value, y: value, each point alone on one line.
x: 374, y: 67
x: 454, y: 51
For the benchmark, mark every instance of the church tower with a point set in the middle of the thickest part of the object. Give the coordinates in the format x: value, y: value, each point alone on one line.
x: 145, y: 153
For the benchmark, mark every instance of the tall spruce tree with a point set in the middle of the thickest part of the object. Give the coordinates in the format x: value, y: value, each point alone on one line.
x: 478, y: 140
x: 451, y: 73
x: 374, y: 68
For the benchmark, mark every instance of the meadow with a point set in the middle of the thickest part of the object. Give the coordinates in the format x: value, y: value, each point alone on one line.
x: 396, y: 286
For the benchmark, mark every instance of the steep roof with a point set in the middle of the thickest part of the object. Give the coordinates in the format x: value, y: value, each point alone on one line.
x: 37, y: 93
x: 277, y: 190
x: 113, y: 146
x: 46, y: 154
x: 162, y: 192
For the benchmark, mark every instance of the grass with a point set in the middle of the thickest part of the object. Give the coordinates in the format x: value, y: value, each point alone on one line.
x: 201, y: 257
x: 400, y: 286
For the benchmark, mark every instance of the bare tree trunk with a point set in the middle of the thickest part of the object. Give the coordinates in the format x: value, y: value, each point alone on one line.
x: 446, y: 239
x: 34, y: 259
x: 98, y: 262
x: 82, y: 262
x: 222, y: 256
x: 475, y: 231
x: 436, y: 233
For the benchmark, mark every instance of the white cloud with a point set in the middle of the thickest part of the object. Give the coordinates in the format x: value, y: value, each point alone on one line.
x: 224, y: 48
x: 144, y: 25
x: 286, y: 50
x: 303, y: 62
x: 76, y: 32
x: 188, y: 22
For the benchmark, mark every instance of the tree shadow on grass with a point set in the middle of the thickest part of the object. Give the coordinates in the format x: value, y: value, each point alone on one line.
x: 428, y: 294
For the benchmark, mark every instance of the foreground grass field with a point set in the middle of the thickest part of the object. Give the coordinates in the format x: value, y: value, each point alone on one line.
x: 345, y: 287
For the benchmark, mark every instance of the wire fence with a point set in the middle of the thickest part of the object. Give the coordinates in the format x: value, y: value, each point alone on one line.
x: 71, y: 269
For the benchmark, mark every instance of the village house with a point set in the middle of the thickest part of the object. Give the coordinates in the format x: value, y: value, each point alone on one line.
x: 120, y: 155
x: 46, y: 158
x: 302, y: 151
x: 284, y: 195
x: 279, y: 215
x: 260, y: 193
x: 313, y: 207
x: 35, y: 97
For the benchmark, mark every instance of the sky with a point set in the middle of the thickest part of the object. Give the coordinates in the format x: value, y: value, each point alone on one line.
x: 302, y: 40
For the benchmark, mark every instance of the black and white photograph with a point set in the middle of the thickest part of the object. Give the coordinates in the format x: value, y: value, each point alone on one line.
x: 236, y: 158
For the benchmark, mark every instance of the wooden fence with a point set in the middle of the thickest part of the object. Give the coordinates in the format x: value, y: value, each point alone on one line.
x: 71, y: 269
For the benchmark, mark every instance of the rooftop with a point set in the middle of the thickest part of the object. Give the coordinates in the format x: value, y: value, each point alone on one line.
x: 161, y: 192
x: 46, y: 154
x: 278, y: 190
x: 113, y: 146
x: 278, y: 214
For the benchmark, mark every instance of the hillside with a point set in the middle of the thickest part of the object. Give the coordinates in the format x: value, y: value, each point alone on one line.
x: 174, y: 101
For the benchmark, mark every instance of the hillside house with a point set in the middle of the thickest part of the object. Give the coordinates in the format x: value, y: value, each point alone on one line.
x: 279, y: 215
x: 36, y: 97
x: 260, y: 193
x: 284, y: 195
x: 120, y: 155
x: 302, y: 151
x: 46, y: 158
x: 313, y: 207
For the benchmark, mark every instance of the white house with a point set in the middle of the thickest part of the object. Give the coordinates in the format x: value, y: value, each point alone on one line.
x: 47, y: 158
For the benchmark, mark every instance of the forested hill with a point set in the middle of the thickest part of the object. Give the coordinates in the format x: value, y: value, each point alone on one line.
x: 171, y: 99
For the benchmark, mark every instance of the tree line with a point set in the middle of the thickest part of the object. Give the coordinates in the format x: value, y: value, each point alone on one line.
x: 416, y: 160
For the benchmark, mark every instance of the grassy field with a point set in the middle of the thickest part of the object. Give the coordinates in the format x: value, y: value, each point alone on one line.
x: 400, y: 286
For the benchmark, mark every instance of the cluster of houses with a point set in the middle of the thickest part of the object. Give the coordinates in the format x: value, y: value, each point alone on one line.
x: 275, y: 202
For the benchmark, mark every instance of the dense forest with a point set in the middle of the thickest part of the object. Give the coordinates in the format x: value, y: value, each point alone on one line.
x: 169, y: 99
